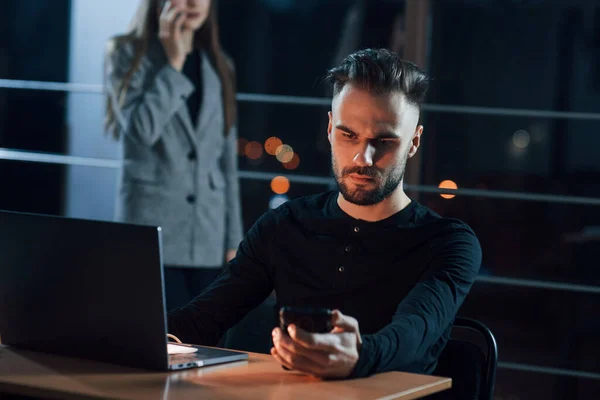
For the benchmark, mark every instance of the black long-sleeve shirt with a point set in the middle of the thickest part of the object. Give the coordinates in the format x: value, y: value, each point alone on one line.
x: 403, y: 278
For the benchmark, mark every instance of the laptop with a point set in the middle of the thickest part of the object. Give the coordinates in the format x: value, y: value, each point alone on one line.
x: 89, y: 289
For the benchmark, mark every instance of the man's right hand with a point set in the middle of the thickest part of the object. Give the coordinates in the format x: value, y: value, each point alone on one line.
x: 326, y: 355
x: 176, y: 40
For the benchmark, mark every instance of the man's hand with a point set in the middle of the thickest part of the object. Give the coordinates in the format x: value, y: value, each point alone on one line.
x: 326, y: 355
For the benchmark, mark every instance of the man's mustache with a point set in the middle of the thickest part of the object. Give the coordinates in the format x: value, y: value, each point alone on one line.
x: 371, y: 172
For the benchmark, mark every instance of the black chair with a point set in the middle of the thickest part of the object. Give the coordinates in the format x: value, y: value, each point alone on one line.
x: 469, y: 358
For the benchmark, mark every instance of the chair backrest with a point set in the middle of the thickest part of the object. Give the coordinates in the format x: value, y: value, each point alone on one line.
x: 470, y: 359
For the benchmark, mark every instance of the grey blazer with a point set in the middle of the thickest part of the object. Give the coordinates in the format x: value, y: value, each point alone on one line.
x: 181, y: 178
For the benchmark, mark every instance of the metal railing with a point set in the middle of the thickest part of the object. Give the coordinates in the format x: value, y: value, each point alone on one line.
x: 51, y: 158
x: 314, y: 101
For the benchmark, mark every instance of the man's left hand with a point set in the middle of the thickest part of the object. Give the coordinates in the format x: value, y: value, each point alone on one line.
x: 326, y: 355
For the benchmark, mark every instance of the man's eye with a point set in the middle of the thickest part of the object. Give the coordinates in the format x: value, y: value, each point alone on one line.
x: 348, y: 135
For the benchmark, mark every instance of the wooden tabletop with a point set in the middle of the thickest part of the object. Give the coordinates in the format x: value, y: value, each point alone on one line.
x: 49, y: 376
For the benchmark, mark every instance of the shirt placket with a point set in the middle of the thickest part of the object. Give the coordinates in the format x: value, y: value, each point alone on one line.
x: 349, y: 251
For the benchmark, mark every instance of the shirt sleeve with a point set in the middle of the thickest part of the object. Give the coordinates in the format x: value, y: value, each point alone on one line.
x: 430, y: 307
x: 245, y: 283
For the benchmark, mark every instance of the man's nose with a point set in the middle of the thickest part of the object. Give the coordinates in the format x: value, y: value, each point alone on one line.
x: 364, y: 157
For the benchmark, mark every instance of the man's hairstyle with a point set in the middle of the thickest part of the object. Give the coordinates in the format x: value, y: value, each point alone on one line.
x: 380, y: 71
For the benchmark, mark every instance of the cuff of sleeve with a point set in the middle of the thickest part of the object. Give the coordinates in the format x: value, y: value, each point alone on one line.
x: 366, y: 359
x: 178, y: 81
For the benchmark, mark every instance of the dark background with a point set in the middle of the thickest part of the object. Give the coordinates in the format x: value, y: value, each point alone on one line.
x: 528, y: 55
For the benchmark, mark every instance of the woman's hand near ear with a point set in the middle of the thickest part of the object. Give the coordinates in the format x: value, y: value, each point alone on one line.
x: 176, y: 41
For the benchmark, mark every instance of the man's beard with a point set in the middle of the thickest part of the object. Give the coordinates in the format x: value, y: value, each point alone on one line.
x: 368, y: 197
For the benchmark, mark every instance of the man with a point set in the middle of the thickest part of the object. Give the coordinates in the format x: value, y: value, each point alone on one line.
x: 394, y: 271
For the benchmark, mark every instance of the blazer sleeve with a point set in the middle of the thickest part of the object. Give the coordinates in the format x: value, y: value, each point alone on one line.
x: 229, y: 165
x: 149, y: 102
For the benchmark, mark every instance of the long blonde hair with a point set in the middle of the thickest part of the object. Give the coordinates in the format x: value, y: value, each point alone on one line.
x: 143, y: 27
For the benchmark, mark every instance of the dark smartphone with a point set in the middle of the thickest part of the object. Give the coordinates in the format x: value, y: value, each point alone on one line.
x: 314, y: 320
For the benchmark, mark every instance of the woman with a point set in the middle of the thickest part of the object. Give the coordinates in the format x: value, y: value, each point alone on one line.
x: 171, y: 104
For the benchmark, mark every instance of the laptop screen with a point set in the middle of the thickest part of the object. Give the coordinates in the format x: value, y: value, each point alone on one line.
x: 82, y: 288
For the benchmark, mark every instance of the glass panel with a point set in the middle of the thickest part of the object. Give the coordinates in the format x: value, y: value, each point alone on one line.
x: 522, y: 154
x: 542, y: 327
x: 304, y: 128
x: 285, y: 47
x: 33, y: 120
x: 31, y: 187
x: 529, y: 240
x: 517, y: 385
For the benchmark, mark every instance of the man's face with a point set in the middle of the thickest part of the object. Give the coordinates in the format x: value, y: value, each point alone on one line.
x: 371, y: 137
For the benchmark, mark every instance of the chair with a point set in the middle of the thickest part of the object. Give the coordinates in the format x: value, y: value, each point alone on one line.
x: 469, y: 358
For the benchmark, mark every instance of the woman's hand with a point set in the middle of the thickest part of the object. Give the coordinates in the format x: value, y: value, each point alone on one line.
x: 174, y: 37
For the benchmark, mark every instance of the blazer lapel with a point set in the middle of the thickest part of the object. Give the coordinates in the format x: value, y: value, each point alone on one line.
x: 212, y: 102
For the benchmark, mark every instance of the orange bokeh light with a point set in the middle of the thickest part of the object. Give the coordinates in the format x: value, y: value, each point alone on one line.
x: 272, y: 144
x: 254, y: 150
x: 448, y: 184
x: 280, y: 184
x: 293, y: 163
x: 241, y: 146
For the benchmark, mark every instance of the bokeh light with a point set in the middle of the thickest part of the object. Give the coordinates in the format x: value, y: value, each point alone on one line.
x: 280, y: 184
x: 448, y: 184
x: 277, y: 200
x: 521, y: 139
x: 254, y: 150
x: 241, y: 146
x: 284, y: 153
x: 293, y: 163
x: 272, y: 144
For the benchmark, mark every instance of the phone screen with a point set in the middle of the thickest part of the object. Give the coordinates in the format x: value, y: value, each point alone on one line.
x: 314, y: 320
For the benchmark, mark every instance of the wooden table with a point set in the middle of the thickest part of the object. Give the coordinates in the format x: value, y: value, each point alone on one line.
x: 49, y: 376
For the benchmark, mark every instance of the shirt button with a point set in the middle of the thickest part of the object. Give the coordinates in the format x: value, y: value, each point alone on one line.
x: 341, y: 268
x: 191, y: 198
x: 191, y: 155
x: 356, y: 229
x: 348, y: 248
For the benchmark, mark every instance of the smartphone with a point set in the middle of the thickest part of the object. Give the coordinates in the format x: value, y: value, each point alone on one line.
x: 314, y: 320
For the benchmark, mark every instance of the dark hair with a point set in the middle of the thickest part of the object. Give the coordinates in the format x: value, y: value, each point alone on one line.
x: 144, y: 26
x: 380, y: 71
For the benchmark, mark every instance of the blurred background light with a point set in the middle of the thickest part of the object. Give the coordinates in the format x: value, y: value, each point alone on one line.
x: 277, y: 200
x: 448, y: 184
x: 280, y: 185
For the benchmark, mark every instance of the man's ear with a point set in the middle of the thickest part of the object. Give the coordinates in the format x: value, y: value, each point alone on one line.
x: 416, y: 141
x: 329, y: 127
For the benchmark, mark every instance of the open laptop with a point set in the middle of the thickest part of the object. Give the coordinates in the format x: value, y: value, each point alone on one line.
x: 89, y: 289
